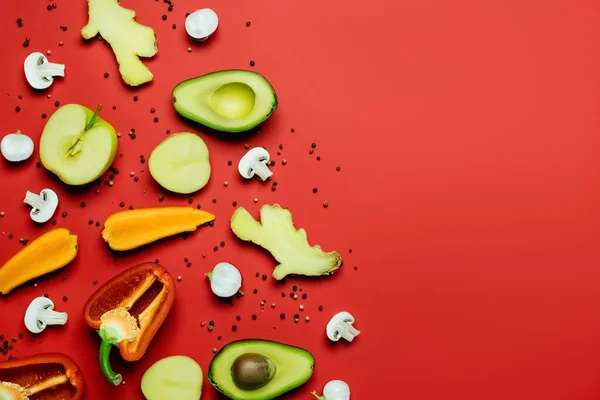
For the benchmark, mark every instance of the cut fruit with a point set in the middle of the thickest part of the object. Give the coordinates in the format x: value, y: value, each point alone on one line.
x: 286, y: 367
x: 181, y: 163
x: 127, y: 230
x: 77, y: 145
x: 176, y: 377
x: 227, y: 101
x: 277, y: 234
x: 47, y: 253
x: 128, y: 39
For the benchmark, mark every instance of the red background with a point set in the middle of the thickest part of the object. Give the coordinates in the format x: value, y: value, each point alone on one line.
x: 467, y: 136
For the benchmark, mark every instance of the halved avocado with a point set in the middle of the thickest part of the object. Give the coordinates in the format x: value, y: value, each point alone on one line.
x: 291, y: 367
x: 226, y: 101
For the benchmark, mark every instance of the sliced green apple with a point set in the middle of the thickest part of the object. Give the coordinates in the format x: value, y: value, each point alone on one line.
x: 176, y: 377
x: 77, y: 145
x: 181, y: 163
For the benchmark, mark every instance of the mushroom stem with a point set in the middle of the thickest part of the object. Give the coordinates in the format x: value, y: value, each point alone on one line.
x: 49, y: 69
x: 50, y: 317
x: 262, y: 170
x: 34, y: 200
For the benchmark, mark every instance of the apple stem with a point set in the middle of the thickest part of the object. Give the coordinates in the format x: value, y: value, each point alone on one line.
x: 93, y: 119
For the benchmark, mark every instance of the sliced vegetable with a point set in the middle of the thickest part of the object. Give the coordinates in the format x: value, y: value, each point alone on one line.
x: 201, y: 24
x: 334, y: 390
x: 49, y: 252
x: 340, y: 326
x: 40, y: 314
x: 39, y: 72
x: 277, y: 234
x: 48, y: 376
x: 128, y: 310
x: 43, y: 205
x: 225, y: 279
x: 176, y: 377
x: 180, y: 163
x: 129, y: 229
x: 128, y: 39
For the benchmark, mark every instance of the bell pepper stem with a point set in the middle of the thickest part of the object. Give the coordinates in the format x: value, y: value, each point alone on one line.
x: 109, y: 374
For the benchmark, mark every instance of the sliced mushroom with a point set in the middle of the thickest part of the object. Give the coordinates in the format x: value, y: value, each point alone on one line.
x: 40, y: 314
x: 340, y: 326
x: 43, y: 205
x: 40, y: 72
x: 255, y: 163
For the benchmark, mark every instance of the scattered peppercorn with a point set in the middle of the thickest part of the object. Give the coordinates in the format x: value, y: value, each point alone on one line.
x: 320, y: 308
x: 161, y: 198
x: 199, y: 206
x: 264, y: 277
x: 237, y: 318
x: 246, y: 146
x: 222, y: 244
x: 325, y: 204
x: 229, y: 162
x: 121, y: 204
x: 282, y: 315
x: 255, y: 291
x: 38, y: 164
x: 97, y: 224
x: 356, y: 268
x: 248, y: 23
x: 318, y: 158
x: 215, y: 248
x: 257, y: 274
x: 65, y: 298
x: 64, y: 214
x: 304, y: 296
x: 44, y: 116
x: 189, y: 264
x: 131, y: 207
x: 337, y: 169
x: 253, y: 316
x: 214, y: 200
x: 17, y: 108
x: 164, y: 17
x: 95, y: 282
x: 252, y: 63
x: 155, y: 119
x: 56, y: 103
x: 294, y: 288
x: 91, y: 221
x: 234, y: 203
x: 135, y: 98
x: 314, y: 145
x: 174, y: 26
x: 49, y: 7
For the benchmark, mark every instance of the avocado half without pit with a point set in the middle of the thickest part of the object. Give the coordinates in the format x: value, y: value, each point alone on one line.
x: 226, y: 101
x: 259, y: 369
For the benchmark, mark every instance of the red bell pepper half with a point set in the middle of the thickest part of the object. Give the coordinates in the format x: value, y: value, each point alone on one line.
x: 45, y: 376
x: 128, y: 310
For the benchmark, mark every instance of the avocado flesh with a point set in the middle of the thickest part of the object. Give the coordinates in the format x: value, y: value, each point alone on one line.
x: 226, y: 101
x: 294, y: 366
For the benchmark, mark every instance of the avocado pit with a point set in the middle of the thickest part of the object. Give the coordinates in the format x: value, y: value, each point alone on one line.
x: 252, y: 371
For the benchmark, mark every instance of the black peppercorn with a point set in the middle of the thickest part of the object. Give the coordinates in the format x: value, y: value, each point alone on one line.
x: 234, y: 203
x: 17, y: 108
x: 237, y: 318
x: 65, y: 298
x: 174, y: 26
x: 161, y: 198
x: 222, y: 244
x: 255, y: 291
x: 82, y: 204
x: 215, y: 248
x: 257, y: 274
x: 56, y: 103
x: 248, y: 23
x: 282, y: 315
x: 190, y: 201
x: 229, y: 162
x: 294, y: 288
x: 214, y: 200
x: 252, y: 63
x: 234, y: 328
x: 91, y: 221
x: 155, y: 119
x: 97, y: 223
x: 164, y: 17
x: 320, y: 308
x: 49, y: 7
x: 314, y: 145
x: 122, y: 204
x: 314, y: 190
x: 135, y: 98
x: 253, y: 316
x: 44, y: 116
x: 304, y: 296
x: 64, y: 214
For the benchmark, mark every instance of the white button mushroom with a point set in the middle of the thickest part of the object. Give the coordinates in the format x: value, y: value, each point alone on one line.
x: 201, y: 24
x: 43, y: 205
x: 335, y: 390
x: 340, y: 326
x: 16, y: 147
x: 225, y: 279
x: 40, y: 72
x: 255, y: 163
x: 40, y: 314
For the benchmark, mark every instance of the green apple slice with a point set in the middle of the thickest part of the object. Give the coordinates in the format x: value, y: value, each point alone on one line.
x: 176, y: 377
x: 181, y: 163
x: 77, y: 145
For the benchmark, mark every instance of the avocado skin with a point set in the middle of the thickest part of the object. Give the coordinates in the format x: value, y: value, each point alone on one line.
x: 277, y: 345
x: 245, y: 128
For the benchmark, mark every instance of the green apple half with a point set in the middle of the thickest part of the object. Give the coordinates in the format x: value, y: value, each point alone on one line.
x: 77, y: 145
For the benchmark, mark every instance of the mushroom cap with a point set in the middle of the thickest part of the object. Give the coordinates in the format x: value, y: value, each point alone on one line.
x: 201, y: 24
x: 16, y: 147
x: 253, y: 156
x: 32, y: 72
x: 32, y: 323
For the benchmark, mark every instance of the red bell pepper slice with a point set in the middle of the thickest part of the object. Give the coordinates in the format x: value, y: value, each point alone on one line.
x: 45, y: 376
x: 128, y: 310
